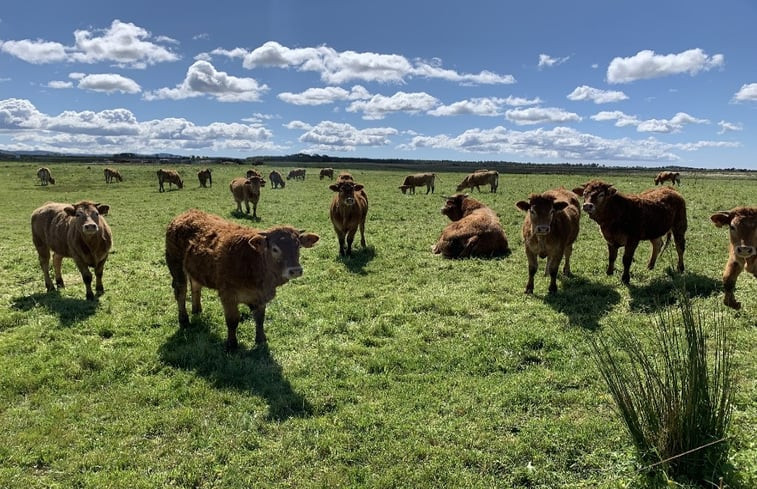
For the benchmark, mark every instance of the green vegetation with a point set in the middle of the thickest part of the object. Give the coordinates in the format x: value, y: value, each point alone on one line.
x: 394, y: 368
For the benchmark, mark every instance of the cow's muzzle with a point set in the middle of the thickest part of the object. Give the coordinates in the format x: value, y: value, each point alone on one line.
x: 746, y: 251
x: 542, y: 229
x: 293, y: 272
x: 589, y: 207
x: 90, y: 228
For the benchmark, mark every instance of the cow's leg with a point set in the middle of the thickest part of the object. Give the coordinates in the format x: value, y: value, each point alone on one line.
x: 612, y: 254
x: 680, y: 239
x: 231, y: 313
x: 533, y: 265
x: 44, y: 262
x: 196, y: 296
x: 258, y: 314
x: 99, y: 277
x: 469, y: 247
x: 86, y: 275
x: 247, y: 206
x: 656, y: 247
x: 350, y: 239
x: 57, y: 262
x: 553, y: 262
x: 627, y: 260
x: 340, y: 238
x: 239, y: 207
x: 362, y: 233
x: 254, y: 210
x: 567, y: 254
x: 730, y: 274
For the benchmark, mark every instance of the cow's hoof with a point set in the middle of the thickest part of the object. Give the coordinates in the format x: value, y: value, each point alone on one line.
x: 59, y: 283
x: 529, y: 291
x: 231, y: 346
x: 183, y: 320
x: 90, y: 296
x: 733, y: 304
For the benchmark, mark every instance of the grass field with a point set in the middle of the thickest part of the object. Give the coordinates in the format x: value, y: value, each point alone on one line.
x: 395, y: 368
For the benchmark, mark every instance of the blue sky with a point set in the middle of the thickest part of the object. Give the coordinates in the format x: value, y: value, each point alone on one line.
x: 610, y: 82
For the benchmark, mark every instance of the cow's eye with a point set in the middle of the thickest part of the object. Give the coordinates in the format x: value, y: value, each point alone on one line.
x: 276, y: 250
x: 600, y: 195
x: 532, y: 211
x: 95, y: 214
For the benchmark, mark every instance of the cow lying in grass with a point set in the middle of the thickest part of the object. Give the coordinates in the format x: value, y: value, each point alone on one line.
x: 475, y: 230
x: 742, y: 252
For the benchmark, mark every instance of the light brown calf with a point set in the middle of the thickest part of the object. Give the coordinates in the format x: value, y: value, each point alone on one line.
x: 45, y: 176
x: 475, y: 230
x: 244, y: 265
x: 170, y: 176
x: 742, y: 251
x: 247, y: 190
x: 77, y: 231
x: 418, y: 180
x: 112, y: 175
x: 326, y: 172
x: 478, y: 178
x: 663, y: 176
x: 348, y: 210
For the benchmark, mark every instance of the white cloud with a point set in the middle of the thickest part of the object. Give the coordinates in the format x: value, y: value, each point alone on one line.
x: 669, y: 125
x: 585, y: 92
x: 548, y: 61
x: 621, y: 119
x: 335, y: 136
x: 326, y: 95
x: 746, y: 92
x: 123, y: 43
x: 490, y: 106
x: 304, y: 126
x: 646, y: 64
x: 378, y: 106
x: 729, y: 126
x: 203, y: 79
x: 540, y: 115
x: 59, y: 84
x: 109, y: 83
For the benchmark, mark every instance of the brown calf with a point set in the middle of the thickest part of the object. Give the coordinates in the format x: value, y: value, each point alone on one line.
x: 663, y: 176
x: 475, y: 230
x: 112, y: 175
x: 247, y: 190
x: 624, y: 220
x: 170, y: 176
x: 418, y: 180
x: 45, y: 176
x: 253, y: 173
x: 326, y: 172
x: 297, y: 174
x: 276, y: 179
x: 742, y: 252
x: 549, y: 230
x: 481, y: 177
x: 77, y: 231
x: 205, y: 177
x: 244, y: 265
x: 348, y: 210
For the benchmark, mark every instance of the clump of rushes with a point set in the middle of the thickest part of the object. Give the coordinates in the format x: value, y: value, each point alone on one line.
x: 674, y: 392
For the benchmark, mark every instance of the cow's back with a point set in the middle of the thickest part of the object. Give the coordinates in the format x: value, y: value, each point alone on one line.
x: 50, y: 226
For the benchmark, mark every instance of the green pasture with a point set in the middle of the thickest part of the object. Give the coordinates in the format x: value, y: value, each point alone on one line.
x: 391, y: 369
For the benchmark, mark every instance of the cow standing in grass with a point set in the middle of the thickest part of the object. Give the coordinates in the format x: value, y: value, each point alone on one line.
x: 664, y: 176
x: 549, y: 230
x: 169, y: 176
x: 478, y: 178
x: 45, y: 176
x: 112, y: 175
x: 276, y: 179
x: 297, y: 174
x: 326, y: 173
x: 475, y: 230
x: 244, y: 265
x: 247, y: 190
x: 77, y: 231
x: 742, y: 250
x: 205, y: 177
x: 418, y: 180
x: 348, y: 210
x: 626, y: 219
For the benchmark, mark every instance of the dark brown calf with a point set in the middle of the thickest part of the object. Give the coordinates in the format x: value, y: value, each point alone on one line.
x: 170, y: 176
x: 549, y: 230
x: 45, y: 176
x: 77, y: 231
x: 475, y: 230
x: 276, y: 179
x: 624, y: 220
x: 742, y: 251
x: 478, y: 178
x: 297, y: 174
x: 348, y: 210
x: 205, y: 177
x: 326, y: 172
x: 247, y: 190
x: 244, y: 265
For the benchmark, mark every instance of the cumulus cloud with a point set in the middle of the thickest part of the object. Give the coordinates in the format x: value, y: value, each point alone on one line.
x: 335, y: 136
x: 378, y: 106
x: 548, y: 61
x: 59, y: 84
x: 203, y: 79
x: 675, y: 124
x: 729, y: 127
x: 646, y: 64
x: 326, y: 95
x: 338, y: 67
x: 540, y: 115
x: 123, y: 43
x: 108, y: 83
x: 747, y: 92
x: 621, y: 119
x: 585, y: 92
x: 490, y: 106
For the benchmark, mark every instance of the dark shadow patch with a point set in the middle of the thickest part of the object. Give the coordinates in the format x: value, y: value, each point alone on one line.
x: 583, y: 301
x: 244, y: 215
x: 68, y: 309
x: 360, y: 257
x: 251, y: 370
x: 664, y: 291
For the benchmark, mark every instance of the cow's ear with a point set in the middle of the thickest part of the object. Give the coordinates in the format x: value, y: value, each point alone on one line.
x: 358, y: 187
x: 611, y: 191
x: 307, y: 240
x: 262, y: 182
x: 70, y: 210
x: 523, y: 205
x: 559, y: 205
x: 579, y: 190
x: 334, y: 187
x: 258, y: 242
x: 721, y: 219
x: 102, y: 209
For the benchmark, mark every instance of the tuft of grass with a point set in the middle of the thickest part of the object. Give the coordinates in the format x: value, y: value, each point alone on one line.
x: 674, y: 393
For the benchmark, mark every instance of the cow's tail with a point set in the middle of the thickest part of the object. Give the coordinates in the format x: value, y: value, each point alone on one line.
x: 668, y: 237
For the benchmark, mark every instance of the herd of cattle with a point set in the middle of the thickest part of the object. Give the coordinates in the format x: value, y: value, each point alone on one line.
x: 246, y: 265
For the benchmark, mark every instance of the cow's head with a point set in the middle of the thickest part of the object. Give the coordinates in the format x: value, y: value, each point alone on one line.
x: 453, y: 207
x: 742, y: 223
x: 346, y: 191
x: 180, y: 183
x: 51, y: 180
x: 255, y: 182
x: 541, y: 209
x: 87, y: 215
x: 282, y: 245
x: 404, y: 188
x: 462, y: 185
x: 595, y: 194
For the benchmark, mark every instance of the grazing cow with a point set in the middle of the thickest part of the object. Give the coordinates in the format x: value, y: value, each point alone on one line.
x: 170, y: 176
x: 477, y: 178
x: 45, y: 176
x: 418, y: 180
x: 205, y: 177
x: 326, y: 172
x: 742, y: 251
x: 247, y: 190
x: 624, y: 220
x: 549, y: 230
x: 253, y: 173
x: 663, y: 176
x: 112, y: 175
x: 297, y: 174
x: 244, y: 265
x: 475, y: 230
x: 276, y: 179
x: 78, y: 231
x: 348, y: 210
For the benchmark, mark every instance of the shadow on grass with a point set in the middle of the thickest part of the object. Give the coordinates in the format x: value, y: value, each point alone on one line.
x: 583, y: 301
x: 663, y: 291
x: 359, y: 259
x: 68, y: 309
x: 244, y: 215
x: 253, y: 370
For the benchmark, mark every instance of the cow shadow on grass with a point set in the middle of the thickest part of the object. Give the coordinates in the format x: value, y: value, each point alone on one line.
x: 666, y: 290
x: 244, y: 215
x: 583, y: 301
x: 250, y: 370
x: 360, y: 257
x: 69, y: 310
